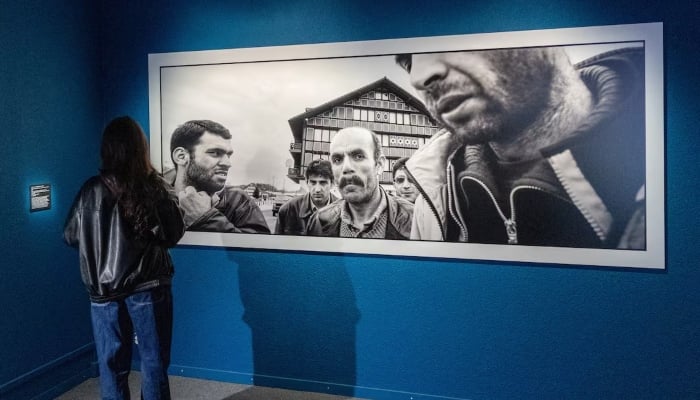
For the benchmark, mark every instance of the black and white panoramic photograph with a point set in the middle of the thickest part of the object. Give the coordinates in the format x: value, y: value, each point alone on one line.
x: 537, y: 146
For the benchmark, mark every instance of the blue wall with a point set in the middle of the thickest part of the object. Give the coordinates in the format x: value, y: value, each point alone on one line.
x: 50, y: 108
x: 380, y: 327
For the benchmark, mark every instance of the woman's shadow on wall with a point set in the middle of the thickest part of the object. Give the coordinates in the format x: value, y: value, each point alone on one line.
x: 302, y: 312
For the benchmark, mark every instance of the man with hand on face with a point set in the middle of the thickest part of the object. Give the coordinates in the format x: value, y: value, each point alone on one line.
x: 536, y: 151
x: 365, y: 210
x: 201, y: 151
x: 294, y: 215
x: 402, y: 183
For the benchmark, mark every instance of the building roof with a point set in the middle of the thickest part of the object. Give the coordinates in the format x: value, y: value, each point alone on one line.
x: 296, y: 123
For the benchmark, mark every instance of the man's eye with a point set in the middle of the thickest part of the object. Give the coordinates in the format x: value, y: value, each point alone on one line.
x: 358, y: 157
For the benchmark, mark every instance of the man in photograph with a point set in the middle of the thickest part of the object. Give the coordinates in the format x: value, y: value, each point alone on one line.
x: 201, y: 151
x: 294, y: 215
x: 404, y: 186
x: 536, y: 150
x: 365, y: 210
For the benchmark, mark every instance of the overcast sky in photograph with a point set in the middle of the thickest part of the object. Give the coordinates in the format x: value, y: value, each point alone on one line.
x: 256, y: 100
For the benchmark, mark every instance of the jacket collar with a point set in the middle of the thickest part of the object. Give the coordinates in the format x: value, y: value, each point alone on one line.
x: 306, y: 207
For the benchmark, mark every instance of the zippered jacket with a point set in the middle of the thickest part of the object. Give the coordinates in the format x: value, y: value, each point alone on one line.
x: 113, y: 262
x: 586, y: 191
x: 326, y: 221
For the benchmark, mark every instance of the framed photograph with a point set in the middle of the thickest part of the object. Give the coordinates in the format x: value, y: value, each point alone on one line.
x: 543, y: 146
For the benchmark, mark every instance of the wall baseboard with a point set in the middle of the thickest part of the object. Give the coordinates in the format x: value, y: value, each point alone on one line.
x: 53, y: 378
x: 260, y: 380
x: 301, y: 385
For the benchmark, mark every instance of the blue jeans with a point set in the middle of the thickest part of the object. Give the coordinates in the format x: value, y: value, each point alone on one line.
x: 149, y: 315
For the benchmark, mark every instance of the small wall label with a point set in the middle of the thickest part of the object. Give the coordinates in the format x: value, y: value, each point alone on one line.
x: 39, y: 197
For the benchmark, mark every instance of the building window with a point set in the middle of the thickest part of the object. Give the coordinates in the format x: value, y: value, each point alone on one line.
x: 363, y: 115
x: 318, y: 134
x: 309, y: 133
x: 392, y: 118
x: 356, y: 114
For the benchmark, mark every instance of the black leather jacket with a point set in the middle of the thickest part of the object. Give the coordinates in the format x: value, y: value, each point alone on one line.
x: 326, y: 221
x: 113, y: 264
x: 294, y: 215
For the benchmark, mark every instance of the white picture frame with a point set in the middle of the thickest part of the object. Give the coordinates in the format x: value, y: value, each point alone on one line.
x: 188, y: 85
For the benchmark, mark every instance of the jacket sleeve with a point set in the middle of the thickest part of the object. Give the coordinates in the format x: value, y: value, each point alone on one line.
x: 313, y: 228
x: 634, y: 235
x: 424, y: 225
x: 213, y: 221
x: 281, y: 218
x: 171, y: 226
x: 428, y: 168
x: 249, y: 218
x: 71, y: 228
x: 238, y: 214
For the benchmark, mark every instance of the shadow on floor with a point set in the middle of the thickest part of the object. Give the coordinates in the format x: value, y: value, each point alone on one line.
x: 183, y: 388
x: 259, y: 393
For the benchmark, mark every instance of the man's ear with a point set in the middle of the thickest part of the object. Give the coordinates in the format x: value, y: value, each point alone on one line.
x: 381, y: 161
x: 181, y: 157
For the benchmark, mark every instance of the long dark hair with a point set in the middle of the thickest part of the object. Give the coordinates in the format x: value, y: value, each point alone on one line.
x: 128, y: 173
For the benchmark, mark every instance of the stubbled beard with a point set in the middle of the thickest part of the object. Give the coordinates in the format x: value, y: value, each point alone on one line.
x: 201, y: 178
x: 480, y: 128
x: 477, y: 130
x: 320, y: 202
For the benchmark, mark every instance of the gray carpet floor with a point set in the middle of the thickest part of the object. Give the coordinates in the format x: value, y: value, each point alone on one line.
x: 199, y: 389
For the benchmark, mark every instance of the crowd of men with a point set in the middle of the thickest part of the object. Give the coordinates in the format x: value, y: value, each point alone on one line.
x: 534, y: 150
